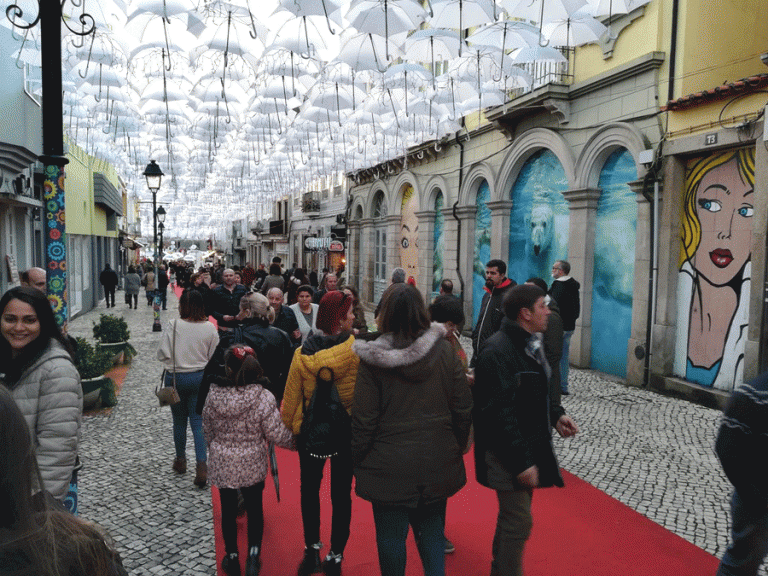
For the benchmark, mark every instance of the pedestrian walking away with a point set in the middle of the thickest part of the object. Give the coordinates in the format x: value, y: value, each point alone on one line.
x: 108, y: 279
x: 185, y: 350
x: 331, y: 348
x: 239, y: 418
x: 410, y: 426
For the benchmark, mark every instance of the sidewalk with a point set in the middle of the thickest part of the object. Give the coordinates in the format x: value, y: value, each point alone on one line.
x: 653, y: 453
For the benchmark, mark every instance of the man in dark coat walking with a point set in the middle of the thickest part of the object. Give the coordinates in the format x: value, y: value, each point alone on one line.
x: 514, y: 413
x: 108, y: 279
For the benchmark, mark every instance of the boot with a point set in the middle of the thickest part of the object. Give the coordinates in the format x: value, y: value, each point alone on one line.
x: 310, y: 564
x: 201, y: 474
x: 231, y: 564
x: 180, y: 465
x: 332, y: 564
x: 253, y: 565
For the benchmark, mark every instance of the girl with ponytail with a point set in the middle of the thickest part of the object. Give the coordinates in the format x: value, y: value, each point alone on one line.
x: 239, y: 418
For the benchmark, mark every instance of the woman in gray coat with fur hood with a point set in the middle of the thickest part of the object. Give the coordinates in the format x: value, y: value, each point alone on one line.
x: 410, y: 424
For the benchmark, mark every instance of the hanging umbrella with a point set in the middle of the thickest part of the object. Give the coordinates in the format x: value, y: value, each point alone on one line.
x: 537, y: 54
x: 392, y: 16
x: 541, y: 11
x: 329, y: 9
x: 601, y: 8
x: 230, y: 38
x: 304, y: 36
x: 183, y: 10
x: 462, y: 14
x: 576, y: 30
x: 367, y: 52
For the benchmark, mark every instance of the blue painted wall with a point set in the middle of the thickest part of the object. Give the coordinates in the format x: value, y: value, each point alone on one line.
x: 439, y: 247
x: 482, y: 248
x: 614, y: 270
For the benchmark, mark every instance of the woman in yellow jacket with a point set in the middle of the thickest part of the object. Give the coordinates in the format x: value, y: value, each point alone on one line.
x: 333, y: 349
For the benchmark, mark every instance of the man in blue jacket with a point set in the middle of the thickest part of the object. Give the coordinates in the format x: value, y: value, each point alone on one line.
x: 514, y: 412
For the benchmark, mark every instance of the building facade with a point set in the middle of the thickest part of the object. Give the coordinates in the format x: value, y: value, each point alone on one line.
x: 593, y: 170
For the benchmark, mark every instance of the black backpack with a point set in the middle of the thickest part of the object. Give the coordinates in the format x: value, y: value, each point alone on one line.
x: 326, y: 428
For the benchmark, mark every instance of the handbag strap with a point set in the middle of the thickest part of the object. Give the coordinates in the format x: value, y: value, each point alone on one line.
x: 173, y: 353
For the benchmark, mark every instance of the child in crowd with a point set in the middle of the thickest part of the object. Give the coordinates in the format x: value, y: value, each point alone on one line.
x: 239, y: 417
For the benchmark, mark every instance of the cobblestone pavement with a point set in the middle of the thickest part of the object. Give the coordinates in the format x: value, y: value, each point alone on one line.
x: 651, y: 452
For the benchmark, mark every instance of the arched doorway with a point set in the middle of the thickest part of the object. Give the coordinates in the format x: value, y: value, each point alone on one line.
x: 614, y: 269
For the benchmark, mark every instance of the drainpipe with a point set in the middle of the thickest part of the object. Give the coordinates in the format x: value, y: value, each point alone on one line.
x: 673, y: 50
x: 653, y: 276
x: 458, y: 220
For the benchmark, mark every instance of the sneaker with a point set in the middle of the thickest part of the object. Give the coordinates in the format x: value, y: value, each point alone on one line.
x: 253, y: 565
x: 231, y: 564
x: 310, y: 564
x: 449, y: 547
x: 332, y: 564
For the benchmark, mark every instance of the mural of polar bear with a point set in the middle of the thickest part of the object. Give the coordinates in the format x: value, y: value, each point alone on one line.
x: 547, y: 240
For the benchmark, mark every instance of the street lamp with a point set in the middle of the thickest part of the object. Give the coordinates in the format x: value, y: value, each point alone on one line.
x: 154, y: 178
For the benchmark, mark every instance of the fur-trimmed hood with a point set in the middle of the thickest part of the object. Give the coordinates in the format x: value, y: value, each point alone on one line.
x: 382, y: 353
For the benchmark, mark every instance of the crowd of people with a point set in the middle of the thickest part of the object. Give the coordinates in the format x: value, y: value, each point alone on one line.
x: 395, y: 408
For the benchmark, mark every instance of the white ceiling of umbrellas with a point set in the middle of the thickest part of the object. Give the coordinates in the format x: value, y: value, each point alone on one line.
x: 244, y: 101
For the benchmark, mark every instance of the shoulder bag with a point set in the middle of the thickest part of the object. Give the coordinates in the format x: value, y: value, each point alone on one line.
x: 169, y: 395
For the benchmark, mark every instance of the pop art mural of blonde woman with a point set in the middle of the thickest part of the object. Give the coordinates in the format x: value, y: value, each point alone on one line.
x: 714, y: 279
x: 409, y: 235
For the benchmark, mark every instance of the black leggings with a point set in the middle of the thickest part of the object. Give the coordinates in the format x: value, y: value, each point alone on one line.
x: 253, y: 506
x: 311, y: 473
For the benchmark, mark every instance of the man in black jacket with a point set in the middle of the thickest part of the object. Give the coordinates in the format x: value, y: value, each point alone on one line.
x: 108, y: 279
x: 513, y: 442
x: 162, y: 285
x: 565, y: 291
x: 496, y: 287
x: 224, y: 301
x: 742, y: 446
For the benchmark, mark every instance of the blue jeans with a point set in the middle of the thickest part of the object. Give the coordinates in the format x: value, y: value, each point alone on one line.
x: 188, y: 386
x: 564, y: 360
x: 428, y: 522
x: 163, y: 298
x: 749, y: 539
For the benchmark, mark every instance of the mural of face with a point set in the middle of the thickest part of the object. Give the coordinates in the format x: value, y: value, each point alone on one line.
x: 409, y: 235
x: 724, y: 208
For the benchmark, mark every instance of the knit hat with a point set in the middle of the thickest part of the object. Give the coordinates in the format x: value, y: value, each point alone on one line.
x: 333, y: 309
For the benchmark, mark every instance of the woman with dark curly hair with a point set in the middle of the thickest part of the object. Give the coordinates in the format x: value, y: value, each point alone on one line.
x: 37, y: 535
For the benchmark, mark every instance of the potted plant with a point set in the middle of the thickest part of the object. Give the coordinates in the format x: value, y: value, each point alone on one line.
x: 92, y: 363
x: 111, y: 333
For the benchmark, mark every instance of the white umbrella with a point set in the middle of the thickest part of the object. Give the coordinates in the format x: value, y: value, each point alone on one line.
x: 392, y: 16
x: 367, y: 52
x: 304, y: 35
x: 576, y: 30
x: 462, y: 14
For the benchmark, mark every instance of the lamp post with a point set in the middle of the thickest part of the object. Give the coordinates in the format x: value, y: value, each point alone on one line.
x: 49, y: 16
x: 154, y: 177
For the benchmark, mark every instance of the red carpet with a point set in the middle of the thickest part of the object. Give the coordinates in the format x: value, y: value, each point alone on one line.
x: 578, y: 531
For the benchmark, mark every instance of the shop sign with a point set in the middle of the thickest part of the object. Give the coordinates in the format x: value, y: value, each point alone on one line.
x: 336, y: 246
x: 317, y: 244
